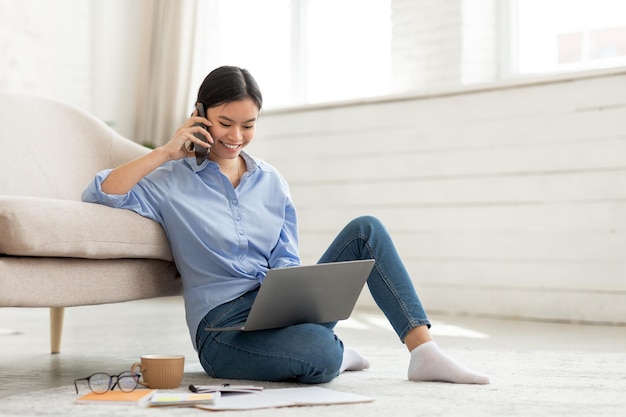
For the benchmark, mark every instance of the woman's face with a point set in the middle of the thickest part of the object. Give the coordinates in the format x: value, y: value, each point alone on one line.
x: 234, y: 124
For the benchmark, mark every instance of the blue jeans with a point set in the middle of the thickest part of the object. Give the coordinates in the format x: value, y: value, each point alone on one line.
x: 311, y: 353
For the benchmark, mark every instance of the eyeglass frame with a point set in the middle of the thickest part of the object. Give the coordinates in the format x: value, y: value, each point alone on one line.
x: 111, y: 386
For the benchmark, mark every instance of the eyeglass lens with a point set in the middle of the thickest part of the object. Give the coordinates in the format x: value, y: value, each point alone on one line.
x: 101, y: 382
x: 127, y: 381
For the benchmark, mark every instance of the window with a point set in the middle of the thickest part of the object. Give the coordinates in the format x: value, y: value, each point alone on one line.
x: 566, y: 35
x: 315, y: 51
x: 304, y: 51
x: 348, y: 49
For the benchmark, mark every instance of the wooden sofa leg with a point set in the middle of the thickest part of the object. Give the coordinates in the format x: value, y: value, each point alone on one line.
x: 56, y: 328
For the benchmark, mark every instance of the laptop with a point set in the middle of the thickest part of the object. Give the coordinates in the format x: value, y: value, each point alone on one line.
x: 318, y: 293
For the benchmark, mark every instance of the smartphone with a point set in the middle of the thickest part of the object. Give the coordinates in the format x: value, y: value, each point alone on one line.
x: 201, y: 152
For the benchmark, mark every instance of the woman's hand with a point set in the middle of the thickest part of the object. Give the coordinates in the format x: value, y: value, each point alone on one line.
x: 179, y: 145
x: 123, y: 178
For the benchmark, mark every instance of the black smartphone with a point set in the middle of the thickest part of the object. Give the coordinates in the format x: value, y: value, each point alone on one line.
x: 201, y: 152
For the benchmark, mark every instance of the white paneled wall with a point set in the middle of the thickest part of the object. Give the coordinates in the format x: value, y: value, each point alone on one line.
x: 506, y: 201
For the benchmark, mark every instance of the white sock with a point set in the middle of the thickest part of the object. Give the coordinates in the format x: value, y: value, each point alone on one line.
x: 429, y: 363
x: 353, y: 361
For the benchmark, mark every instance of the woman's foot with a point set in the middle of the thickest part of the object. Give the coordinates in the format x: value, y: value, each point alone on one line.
x: 429, y: 363
x: 353, y: 361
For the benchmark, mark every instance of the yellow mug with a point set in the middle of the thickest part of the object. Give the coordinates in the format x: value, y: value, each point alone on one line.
x: 160, y: 371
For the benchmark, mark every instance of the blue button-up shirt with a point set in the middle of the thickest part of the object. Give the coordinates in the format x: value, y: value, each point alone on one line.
x: 223, y: 239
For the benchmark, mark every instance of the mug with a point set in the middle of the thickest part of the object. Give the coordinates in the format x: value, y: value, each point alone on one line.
x: 160, y: 371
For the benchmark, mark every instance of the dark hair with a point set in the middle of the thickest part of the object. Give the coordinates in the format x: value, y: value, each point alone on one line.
x: 226, y: 84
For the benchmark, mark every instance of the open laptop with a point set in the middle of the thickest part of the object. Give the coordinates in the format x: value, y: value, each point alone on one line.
x: 318, y: 293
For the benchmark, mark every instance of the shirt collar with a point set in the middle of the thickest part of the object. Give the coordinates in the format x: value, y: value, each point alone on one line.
x: 251, y: 163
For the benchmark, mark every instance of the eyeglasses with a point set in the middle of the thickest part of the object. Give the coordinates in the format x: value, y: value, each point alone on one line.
x: 100, y: 382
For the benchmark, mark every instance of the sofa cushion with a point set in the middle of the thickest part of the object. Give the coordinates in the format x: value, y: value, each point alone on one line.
x: 62, y: 228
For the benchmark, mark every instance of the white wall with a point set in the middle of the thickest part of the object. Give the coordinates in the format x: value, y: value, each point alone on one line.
x: 116, y: 41
x: 45, y: 49
x: 505, y: 201
x: 81, y: 52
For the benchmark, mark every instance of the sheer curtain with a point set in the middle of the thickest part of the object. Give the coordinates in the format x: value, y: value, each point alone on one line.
x: 169, y: 39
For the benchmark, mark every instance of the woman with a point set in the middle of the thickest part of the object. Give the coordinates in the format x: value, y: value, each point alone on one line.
x: 229, y: 220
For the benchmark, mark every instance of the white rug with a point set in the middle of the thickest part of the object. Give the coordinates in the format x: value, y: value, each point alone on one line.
x: 528, y: 383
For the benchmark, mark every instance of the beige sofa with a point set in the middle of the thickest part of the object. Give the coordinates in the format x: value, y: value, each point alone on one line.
x: 56, y: 251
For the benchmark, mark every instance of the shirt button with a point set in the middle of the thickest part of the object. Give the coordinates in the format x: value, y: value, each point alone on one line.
x: 234, y: 202
x: 241, y: 258
x: 241, y: 232
x: 238, y: 218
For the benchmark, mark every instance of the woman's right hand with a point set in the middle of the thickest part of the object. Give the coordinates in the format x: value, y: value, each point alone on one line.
x: 178, y: 145
x: 123, y: 178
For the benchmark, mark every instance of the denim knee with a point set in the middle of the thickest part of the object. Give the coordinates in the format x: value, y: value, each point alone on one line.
x: 365, y: 225
x: 324, y: 357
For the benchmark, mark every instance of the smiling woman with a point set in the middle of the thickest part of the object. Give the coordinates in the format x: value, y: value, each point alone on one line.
x: 227, y: 230
x: 233, y: 101
x: 232, y: 126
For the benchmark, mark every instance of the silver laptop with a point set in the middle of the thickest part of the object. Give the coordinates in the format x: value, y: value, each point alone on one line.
x: 318, y: 293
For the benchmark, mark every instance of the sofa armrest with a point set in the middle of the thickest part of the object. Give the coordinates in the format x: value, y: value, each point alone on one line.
x: 61, y: 228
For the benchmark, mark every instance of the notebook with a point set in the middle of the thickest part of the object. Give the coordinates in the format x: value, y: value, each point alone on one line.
x: 318, y: 293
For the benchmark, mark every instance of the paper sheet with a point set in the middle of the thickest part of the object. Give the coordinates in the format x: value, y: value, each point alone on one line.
x: 284, y: 397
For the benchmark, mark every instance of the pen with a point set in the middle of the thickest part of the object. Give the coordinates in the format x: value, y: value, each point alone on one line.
x: 193, y: 388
